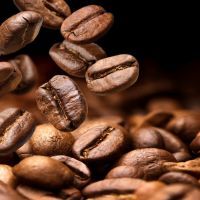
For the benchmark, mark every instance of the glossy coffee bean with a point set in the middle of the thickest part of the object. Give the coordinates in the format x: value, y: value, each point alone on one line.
x: 148, y: 161
x: 81, y: 171
x: 7, y: 193
x: 110, y: 186
x: 87, y: 24
x: 100, y: 142
x: 48, y: 141
x: 18, y: 31
x: 178, y: 177
x: 112, y: 74
x: 43, y: 172
x: 10, y: 77
x: 7, y: 176
x: 62, y: 103
x: 75, y: 59
x: 16, y: 127
x: 53, y: 11
x: 29, y: 73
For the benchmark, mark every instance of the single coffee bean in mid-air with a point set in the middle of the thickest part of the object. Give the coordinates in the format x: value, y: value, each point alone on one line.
x: 16, y: 127
x: 53, y: 11
x: 18, y: 31
x: 87, y: 24
x: 75, y: 59
x: 10, y: 77
x: 62, y: 103
x: 29, y: 73
x: 112, y: 74
x: 43, y: 172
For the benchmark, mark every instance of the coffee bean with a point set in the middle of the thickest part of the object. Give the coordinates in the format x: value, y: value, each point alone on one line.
x: 149, y: 160
x: 195, y: 144
x: 16, y: 127
x: 28, y: 71
x: 81, y: 171
x: 25, y: 150
x: 10, y: 77
x: 70, y: 194
x: 7, y: 176
x: 53, y: 11
x: 110, y: 186
x: 18, y: 31
x: 7, y: 193
x: 62, y: 103
x: 112, y: 74
x: 178, y: 177
x: 54, y: 174
x: 48, y: 141
x: 100, y: 143
x: 75, y: 59
x: 87, y: 24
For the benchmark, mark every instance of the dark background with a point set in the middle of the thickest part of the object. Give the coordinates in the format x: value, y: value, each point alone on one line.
x: 166, y: 33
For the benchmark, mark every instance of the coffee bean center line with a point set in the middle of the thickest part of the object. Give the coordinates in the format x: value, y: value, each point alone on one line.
x: 25, y: 30
x: 96, y: 142
x: 106, y: 72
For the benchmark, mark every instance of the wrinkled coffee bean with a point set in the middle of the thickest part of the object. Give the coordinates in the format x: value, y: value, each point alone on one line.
x: 7, y: 176
x: 112, y: 74
x: 62, y: 103
x: 48, y: 141
x: 110, y: 186
x: 82, y: 173
x: 87, y: 24
x: 148, y: 161
x: 10, y: 77
x: 178, y: 177
x: 7, y: 193
x: 75, y: 59
x: 28, y: 71
x: 18, y: 31
x: 16, y: 127
x: 43, y: 172
x: 53, y: 11
x: 100, y: 143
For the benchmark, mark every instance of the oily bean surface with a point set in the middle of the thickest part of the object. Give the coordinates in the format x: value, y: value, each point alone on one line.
x: 62, y: 103
x: 87, y: 24
x: 16, y: 127
x: 18, y: 31
x: 112, y: 74
x: 75, y: 59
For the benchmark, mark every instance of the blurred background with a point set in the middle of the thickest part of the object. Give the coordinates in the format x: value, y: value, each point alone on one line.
x: 165, y: 38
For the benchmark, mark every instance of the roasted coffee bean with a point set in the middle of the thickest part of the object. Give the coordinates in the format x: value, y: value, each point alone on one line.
x: 48, y: 141
x: 18, y: 31
x: 124, y: 172
x: 53, y: 11
x: 195, y: 144
x: 110, y: 186
x: 81, y: 171
x: 148, y: 161
x: 43, y: 172
x: 112, y: 74
x: 16, y: 127
x: 75, y: 59
x: 7, y: 193
x: 185, y: 124
x: 28, y: 71
x: 10, y: 77
x: 25, y: 150
x: 87, y: 24
x: 70, y: 194
x: 190, y: 166
x: 62, y: 103
x: 7, y: 176
x: 178, y: 177
x: 100, y: 143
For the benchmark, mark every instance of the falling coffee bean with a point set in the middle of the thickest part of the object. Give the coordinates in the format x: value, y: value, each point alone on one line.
x: 112, y: 74
x: 62, y: 103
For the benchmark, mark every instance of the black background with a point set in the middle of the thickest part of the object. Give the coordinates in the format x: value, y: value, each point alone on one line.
x: 165, y: 32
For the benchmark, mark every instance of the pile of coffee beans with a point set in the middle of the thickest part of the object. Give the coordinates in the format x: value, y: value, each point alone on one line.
x: 89, y: 133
